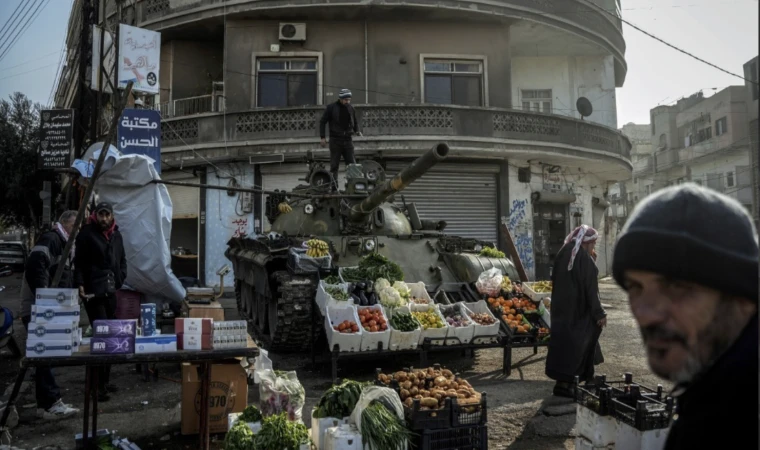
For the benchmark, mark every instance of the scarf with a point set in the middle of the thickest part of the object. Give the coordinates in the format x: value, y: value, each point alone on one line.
x: 62, y: 232
x: 107, y: 233
x: 580, y: 235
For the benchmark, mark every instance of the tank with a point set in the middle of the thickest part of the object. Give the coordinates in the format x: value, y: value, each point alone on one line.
x: 363, y: 218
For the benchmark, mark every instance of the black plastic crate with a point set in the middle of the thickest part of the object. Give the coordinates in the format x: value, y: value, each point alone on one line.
x: 462, y: 438
x: 471, y: 414
x: 642, y: 410
x: 428, y: 419
x: 599, y: 396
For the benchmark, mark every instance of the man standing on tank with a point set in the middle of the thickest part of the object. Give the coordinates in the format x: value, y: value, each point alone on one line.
x: 343, y: 124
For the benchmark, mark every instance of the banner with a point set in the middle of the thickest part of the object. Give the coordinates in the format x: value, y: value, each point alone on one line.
x: 139, y: 58
x: 56, y: 133
x: 140, y: 134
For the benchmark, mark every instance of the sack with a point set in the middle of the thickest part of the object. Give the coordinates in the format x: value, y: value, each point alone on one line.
x: 387, y: 396
x: 489, y: 282
x: 281, y: 393
x: 300, y: 263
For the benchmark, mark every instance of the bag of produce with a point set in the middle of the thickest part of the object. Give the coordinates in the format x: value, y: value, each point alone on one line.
x: 379, y: 417
x: 300, y: 261
x: 281, y: 393
x: 489, y: 282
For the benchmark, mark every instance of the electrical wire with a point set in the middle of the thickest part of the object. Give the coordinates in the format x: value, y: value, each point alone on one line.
x: 8, y: 23
x: 43, y: 4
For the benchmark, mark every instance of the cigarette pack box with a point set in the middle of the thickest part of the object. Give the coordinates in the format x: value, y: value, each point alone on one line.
x: 51, y: 314
x: 156, y: 344
x: 148, y: 319
x: 114, y: 328
x: 62, y: 331
x: 194, y: 341
x: 56, y: 297
x: 203, y: 326
x: 45, y: 349
x: 112, y: 345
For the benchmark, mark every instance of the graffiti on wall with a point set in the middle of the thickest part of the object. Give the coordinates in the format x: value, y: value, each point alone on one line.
x: 518, y: 224
x: 241, y: 227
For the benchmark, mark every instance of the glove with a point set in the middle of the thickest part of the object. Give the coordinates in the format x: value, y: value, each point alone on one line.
x: 284, y: 208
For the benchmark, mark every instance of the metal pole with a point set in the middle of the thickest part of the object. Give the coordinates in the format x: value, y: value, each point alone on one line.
x: 88, y: 192
x: 259, y: 191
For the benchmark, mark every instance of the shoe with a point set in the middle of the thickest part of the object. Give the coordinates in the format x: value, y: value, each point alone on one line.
x: 111, y: 388
x: 59, y: 410
x: 564, y: 390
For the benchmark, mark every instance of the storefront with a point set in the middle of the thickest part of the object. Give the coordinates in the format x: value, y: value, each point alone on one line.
x: 551, y: 224
x: 185, y: 212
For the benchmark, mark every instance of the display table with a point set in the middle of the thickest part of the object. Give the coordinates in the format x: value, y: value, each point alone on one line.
x: 204, y: 358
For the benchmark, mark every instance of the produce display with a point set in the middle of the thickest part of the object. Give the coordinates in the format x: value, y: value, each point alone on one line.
x: 454, y: 316
x: 402, y: 321
x: 381, y: 429
x: 372, y: 320
x: 281, y: 392
x: 419, y: 300
x: 429, y: 318
x: 506, y: 284
x: 484, y: 319
x: 372, y: 267
x: 525, y: 304
x: 346, y: 327
x: 489, y: 282
x: 389, y: 296
x: 505, y: 306
x: 278, y: 433
x: 240, y: 437
x: 317, y: 248
x: 516, y: 323
x: 491, y: 252
x: 336, y: 293
x: 541, y: 287
x: 250, y: 414
x: 339, y: 401
x: 431, y: 386
x: 363, y: 294
x: 332, y: 279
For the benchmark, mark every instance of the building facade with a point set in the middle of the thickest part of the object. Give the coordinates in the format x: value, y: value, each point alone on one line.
x: 752, y: 77
x: 244, y: 80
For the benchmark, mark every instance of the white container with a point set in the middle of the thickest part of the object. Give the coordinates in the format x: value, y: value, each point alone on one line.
x: 343, y: 437
x: 55, y: 314
x: 61, y: 331
x: 462, y: 334
x: 629, y: 438
x: 436, y: 333
x: 370, y: 339
x: 56, y: 297
x: 480, y: 307
x: 47, y: 349
x: 348, y: 342
x: 545, y: 313
x: 319, y: 428
x: 599, y: 430
x: 582, y: 443
x: 418, y: 290
x: 340, y: 273
x: 324, y: 299
x: 535, y: 296
x: 403, y: 340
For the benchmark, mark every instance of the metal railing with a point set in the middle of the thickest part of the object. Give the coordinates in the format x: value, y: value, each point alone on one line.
x: 186, y: 106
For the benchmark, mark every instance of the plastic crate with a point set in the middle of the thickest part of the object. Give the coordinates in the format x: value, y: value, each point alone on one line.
x: 642, y: 414
x: 428, y: 419
x: 463, y: 438
x: 469, y: 414
x: 598, y: 398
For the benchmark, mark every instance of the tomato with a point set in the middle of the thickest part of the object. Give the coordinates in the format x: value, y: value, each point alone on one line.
x: 373, y: 328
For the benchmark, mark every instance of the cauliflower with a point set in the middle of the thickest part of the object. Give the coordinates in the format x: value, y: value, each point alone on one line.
x: 390, y: 297
x: 403, y: 289
x: 381, y: 283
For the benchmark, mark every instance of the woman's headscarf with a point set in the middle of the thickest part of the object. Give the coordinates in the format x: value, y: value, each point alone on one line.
x: 580, y: 235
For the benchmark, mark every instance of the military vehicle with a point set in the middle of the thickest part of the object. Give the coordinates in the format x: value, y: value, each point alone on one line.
x: 362, y: 219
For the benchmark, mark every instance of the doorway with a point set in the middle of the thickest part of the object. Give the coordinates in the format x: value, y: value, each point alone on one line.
x: 550, y: 227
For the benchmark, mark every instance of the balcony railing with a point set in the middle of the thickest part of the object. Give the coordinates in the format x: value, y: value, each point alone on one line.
x: 643, y: 166
x: 187, y: 106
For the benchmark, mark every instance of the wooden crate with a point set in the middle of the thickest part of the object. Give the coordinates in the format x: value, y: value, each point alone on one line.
x: 213, y: 310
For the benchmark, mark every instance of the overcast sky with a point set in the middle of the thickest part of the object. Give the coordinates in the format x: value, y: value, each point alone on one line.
x: 724, y: 32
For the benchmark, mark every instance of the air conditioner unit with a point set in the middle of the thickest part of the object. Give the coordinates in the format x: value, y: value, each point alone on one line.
x: 293, y: 32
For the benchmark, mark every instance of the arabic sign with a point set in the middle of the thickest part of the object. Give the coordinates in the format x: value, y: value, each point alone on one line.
x: 140, y: 134
x: 56, y: 133
x: 139, y: 58
x: 552, y: 180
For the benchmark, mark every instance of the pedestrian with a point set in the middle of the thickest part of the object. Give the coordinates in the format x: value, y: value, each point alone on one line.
x: 101, y: 268
x: 39, y: 271
x: 343, y: 124
x: 688, y: 259
x: 577, y: 316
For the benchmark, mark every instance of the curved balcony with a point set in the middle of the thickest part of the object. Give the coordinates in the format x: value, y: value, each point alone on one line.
x: 400, y: 130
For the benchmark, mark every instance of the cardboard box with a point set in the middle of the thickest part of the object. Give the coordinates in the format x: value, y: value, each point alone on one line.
x: 213, y: 311
x: 229, y: 394
x: 156, y: 344
x: 56, y: 297
x: 62, y: 331
x: 112, y: 345
x: 128, y: 304
x: 193, y: 326
x: 194, y: 341
x: 148, y: 319
x: 55, y: 314
x: 47, y: 349
x: 114, y: 328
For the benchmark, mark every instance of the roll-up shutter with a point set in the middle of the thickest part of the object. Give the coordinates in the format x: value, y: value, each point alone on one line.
x: 185, y: 200
x: 464, y: 195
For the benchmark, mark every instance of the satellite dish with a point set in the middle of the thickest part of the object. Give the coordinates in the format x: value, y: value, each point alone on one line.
x: 584, y: 107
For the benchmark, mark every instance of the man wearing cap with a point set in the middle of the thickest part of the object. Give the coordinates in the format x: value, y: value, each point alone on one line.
x: 343, y: 124
x: 688, y: 259
x: 577, y: 316
x: 100, y: 270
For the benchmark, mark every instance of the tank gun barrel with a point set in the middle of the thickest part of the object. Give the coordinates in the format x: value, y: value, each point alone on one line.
x: 398, y: 183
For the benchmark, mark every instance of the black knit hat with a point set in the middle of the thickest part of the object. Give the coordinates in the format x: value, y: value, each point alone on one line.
x: 692, y: 234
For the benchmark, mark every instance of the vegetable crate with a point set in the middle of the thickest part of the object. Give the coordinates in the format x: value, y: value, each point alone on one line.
x: 433, y: 333
x: 464, y: 438
x: 301, y: 264
x: 324, y: 299
x: 599, y: 396
x: 535, y: 296
x: 462, y: 334
x: 372, y: 340
x: 480, y: 307
x: 403, y: 340
x: 346, y: 342
x: 467, y: 414
x: 643, y: 415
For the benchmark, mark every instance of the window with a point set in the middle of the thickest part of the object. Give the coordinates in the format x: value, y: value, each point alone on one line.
x: 286, y: 82
x: 453, y: 82
x: 721, y: 126
x: 538, y: 100
x: 697, y: 179
x: 663, y: 141
x: 730, y: 181
x: 649, y: 189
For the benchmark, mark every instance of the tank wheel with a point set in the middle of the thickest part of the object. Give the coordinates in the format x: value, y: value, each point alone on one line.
x: 290, y: 321
x: 261, y: 310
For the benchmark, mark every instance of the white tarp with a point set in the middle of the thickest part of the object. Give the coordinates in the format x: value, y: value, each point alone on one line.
x: 143, y: 212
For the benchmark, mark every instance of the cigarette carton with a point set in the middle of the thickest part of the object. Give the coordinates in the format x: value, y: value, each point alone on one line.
x: 148, y: 319
x: 156, y: 344
x: 194, y: 326
x: 112, y: 345
x: 56, y: 297
x: 65, y: 332
x: 194, y: 342
x: 51, y: 314
x: 46, y: 349
x: 114, y: 328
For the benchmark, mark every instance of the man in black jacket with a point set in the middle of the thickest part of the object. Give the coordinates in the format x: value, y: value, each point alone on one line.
x: 101, y: 268
x: 39, y: 271
x: 343, y: 124
x: 688, y: 258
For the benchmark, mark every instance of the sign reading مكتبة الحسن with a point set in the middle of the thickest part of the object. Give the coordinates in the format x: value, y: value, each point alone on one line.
x: 56, y: 133
x: 140, y: 134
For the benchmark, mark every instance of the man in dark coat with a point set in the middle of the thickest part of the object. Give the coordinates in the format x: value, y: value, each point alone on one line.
x: 101, y: 268
x: 688, y: 259
x: 577, y: 316
x: 343, y: 124
x: 39, y: 271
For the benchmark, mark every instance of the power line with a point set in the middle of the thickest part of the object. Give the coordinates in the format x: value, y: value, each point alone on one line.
x: 25, y: 27
x: 28, y: 71
x: 20, y: 16
x: 31, y: 60
x: 6, y: 25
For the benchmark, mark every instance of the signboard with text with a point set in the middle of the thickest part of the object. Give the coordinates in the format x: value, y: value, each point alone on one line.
x: 139, y: 58
x: 56, y: 133
x: 140, y: 134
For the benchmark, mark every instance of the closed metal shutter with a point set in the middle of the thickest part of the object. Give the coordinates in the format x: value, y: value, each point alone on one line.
x: 185, y: 200
x: 464, y: 195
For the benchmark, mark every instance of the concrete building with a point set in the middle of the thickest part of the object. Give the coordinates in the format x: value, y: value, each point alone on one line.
x: 241, y: 80
x: 752, y: 75
x: 624, y: 195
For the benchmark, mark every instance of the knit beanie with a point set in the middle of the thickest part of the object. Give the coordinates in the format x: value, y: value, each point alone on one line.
x: 344, y: 93
x: 693, y: 234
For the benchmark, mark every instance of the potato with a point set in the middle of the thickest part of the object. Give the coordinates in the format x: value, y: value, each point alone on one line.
x: 447, y: 373
x: 429, y: 402
x: 406, y: 385
x: 418, y: 396
x: 463, y: 392
x: 453, y: 385
x: 400, y: 376
x: 438, y: 397
x: 424, y: 392
x: 440, y: 381
x: 409, y: 402
x: 404, y: 394
x: 414, y: 391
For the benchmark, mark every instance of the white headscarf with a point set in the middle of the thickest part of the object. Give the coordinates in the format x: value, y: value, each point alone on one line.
x: 580, y: 235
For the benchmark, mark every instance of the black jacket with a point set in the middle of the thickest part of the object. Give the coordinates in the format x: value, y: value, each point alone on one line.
x: 332, y: 117
x: 40, y: 268
x: 724, y: 398
x: 100, y: 264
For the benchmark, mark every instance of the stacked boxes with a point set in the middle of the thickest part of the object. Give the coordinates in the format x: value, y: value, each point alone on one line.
x: 230, y: 334
x: 194, y: 334
x: 159, y: 343
x: 113, y: 337
x: 54, y: 327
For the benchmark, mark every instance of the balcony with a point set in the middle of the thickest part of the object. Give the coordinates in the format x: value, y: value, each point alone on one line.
x: 189, y: 106
x: 397, y: 129
x: 644, y: 166
x: 667, y: 159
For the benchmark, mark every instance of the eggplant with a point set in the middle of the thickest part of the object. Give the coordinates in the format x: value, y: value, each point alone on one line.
x: 372, y: 299
x: 355, y: 298
x: 363, y: 298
